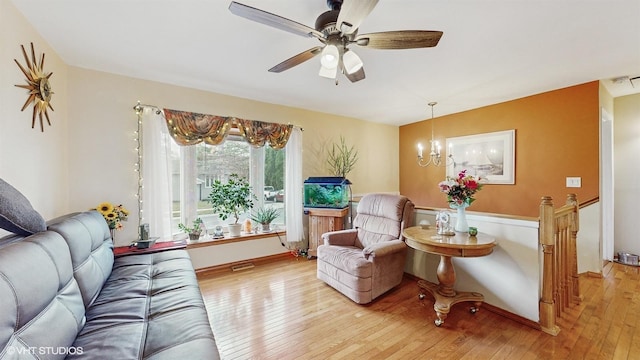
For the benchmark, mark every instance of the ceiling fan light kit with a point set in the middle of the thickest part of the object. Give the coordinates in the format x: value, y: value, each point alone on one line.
x: 337, y: 29
x: 328, y: 73
x: 329, y: 58
x: 351, y: 61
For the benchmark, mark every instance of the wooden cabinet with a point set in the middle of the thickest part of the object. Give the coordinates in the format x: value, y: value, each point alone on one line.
x: 322, y: 221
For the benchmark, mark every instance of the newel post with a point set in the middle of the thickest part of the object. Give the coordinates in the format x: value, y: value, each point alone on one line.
x: 546, y: 240
x: 574, y: 227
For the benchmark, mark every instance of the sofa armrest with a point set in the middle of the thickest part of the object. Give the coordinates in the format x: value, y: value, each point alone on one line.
x: 340, y: 237
x: 384, y: 248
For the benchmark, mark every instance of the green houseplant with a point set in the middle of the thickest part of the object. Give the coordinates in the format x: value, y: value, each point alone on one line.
x: 264, y: 216
x: 233, y: 197
x: 341, y: 158
x: 194, y: 231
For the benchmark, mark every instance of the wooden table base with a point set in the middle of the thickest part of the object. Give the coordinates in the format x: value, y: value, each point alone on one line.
x: 457, y: 245
x: 443, y: 303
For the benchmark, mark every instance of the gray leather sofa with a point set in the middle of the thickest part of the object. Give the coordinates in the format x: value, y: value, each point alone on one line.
x: 63, y: 295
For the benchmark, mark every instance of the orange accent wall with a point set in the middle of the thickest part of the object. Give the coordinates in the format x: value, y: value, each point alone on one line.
x: 557, y: 135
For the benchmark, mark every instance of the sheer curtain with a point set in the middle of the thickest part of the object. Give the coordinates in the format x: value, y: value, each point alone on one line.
x: 156, y: 174
x: 294, y: 189
x: 256, y: 174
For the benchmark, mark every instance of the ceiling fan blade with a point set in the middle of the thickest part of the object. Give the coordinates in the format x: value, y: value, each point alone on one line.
x: 273, y: 20
x: 352, y: 13
x: 296, y: 60
x: 401, y: 39
x: 356, y: 76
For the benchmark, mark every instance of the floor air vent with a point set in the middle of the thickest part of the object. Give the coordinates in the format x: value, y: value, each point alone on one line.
x: 243, y: 266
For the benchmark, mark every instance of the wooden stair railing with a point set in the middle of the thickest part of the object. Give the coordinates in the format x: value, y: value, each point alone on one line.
x: 560, y: 285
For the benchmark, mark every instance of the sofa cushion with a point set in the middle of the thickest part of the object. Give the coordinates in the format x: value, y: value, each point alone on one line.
x: 149, y: 308
x: 16, y: 213
x: 41, y: 308
x: 91, y: 248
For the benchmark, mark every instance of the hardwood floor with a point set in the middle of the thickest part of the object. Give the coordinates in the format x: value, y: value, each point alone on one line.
x: 281, y: 311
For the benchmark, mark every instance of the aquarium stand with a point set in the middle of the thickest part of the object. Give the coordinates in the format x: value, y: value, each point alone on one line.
x: 322, y: 220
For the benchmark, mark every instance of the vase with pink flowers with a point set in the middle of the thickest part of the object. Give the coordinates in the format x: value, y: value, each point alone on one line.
x: 460, y: 191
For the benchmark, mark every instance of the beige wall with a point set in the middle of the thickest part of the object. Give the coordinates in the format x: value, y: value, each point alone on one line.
x: 32, y: 161
x: 102, y: 124
x: 606, y: 100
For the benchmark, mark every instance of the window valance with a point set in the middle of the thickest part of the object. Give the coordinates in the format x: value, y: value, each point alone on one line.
x: 257, y: 133
x: 189, y: 128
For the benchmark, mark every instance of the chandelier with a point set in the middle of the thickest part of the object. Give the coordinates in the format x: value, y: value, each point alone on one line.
x: 435, y: 157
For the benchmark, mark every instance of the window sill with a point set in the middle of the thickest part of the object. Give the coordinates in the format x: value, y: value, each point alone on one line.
x: 229, y: 240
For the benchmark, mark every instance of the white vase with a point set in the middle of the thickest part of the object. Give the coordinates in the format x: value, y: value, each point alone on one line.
x: 461, y: 217
x: 235, y: 230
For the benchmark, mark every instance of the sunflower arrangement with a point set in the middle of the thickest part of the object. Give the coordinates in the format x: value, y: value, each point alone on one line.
x: 114, y: 215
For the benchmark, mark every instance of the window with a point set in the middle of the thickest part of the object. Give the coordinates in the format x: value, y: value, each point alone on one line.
x: 195, y: 168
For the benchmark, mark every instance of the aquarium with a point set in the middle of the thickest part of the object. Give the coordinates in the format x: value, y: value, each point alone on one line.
x: 327, y: 192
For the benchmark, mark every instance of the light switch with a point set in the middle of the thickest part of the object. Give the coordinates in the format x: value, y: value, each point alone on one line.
x: 574, y: 182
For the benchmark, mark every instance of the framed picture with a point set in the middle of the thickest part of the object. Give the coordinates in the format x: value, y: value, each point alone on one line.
x: 490, y: 156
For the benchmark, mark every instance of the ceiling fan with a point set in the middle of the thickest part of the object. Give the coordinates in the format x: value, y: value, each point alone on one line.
x: 337, y: 29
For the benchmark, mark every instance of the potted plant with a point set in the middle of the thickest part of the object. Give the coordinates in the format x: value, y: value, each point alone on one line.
x: 194, y: 231
x: 264, y: 216
x: 233, y: 197
x: 341, y: 158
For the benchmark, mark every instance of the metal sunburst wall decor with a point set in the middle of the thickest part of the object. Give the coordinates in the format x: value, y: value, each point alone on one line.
x: 39, y: 87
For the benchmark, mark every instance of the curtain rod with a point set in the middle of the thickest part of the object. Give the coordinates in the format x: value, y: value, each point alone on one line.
x: 140, y: 107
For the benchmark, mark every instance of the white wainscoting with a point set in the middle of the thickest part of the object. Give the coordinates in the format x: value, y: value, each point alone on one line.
x: 509, y: 278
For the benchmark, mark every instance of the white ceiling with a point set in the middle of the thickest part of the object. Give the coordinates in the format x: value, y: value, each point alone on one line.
x: 491, y: 51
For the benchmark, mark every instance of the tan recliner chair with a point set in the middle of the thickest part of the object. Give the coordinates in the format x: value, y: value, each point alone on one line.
x: 368, y: 260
